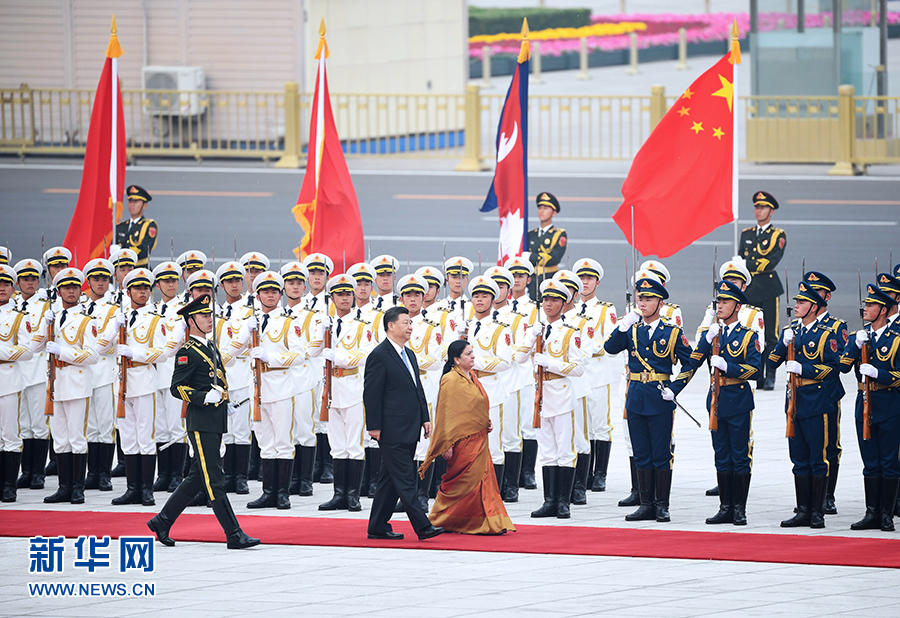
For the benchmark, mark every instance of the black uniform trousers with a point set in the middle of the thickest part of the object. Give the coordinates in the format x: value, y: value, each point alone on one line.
x: 206, y: 474
x: 397, y: 480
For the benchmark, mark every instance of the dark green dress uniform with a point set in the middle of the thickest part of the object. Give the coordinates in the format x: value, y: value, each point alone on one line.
x: 763, y: 251
x: 547, y: 248
x: 198, y: 368
x: 140, y: 235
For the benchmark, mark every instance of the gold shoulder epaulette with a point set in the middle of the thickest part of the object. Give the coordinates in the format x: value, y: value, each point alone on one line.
x: 672, y: 305
x: 747, y: 229
x: 753, y: 307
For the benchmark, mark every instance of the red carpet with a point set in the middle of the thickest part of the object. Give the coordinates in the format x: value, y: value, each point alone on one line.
x: 574, y: 540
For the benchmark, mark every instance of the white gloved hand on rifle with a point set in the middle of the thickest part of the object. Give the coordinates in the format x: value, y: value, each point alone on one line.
x: 53, y: 348
x: 870, y: 371
x: 718, y: 362
x: 259, y: 353
x: 793, y: 366
x: 788, y: 336
x: 862, y: 338
x: 628, y: 320
x: 712, y: 332
x: 124, y: 351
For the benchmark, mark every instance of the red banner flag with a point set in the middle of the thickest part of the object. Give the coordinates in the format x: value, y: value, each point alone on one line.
x: 683, y: 181
x: 327, y: 208
x: 103, y: 175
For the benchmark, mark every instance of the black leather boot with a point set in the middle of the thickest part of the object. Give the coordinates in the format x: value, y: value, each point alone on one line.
x: 27, y: 456
x: 803, y: 489
x: 550, y: 508
x: 177, y: 464
x: 423, y: 484
x: 529, y: 457
x: 579, y: 487
x: 327, y: 462
x: 602, y: 449
x: 830, y: 507
x: 320, y: 459
x: 713, y: 491
x: 10, y: 463
x: 104, y: 461
x: 566, y: 480
x: 148, y: 469
x: 513, y: 466
x: 79, y: 469
x: 726, y: 500
x: 663, y: 490
x: 268, y: 498
x: 499, y: 475
x: 339, y: 499
x: 283, y: 484
x: 38, y: 461
x: 51, y: 469
x: 352, y: 483
x: 888, y: 497
x: 295, y: 472
x: 741, y: 491
x: 817, y: 502
x: 228, y: 469
x: 647, y: 490
x: 235, y: 537
x: 634, y: 498
x: 872, y: 519
x: 241, y: 469
x: 165, y: 467
x: 92, y: 478
x: 255, y: 466
x: 307, y: 461
x: 373, y: 465
x: 440, y: 467
x: 64, y: 472
x: 119, y: 468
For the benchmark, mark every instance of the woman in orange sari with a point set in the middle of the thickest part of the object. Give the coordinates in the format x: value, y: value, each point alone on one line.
x: 469, y: 499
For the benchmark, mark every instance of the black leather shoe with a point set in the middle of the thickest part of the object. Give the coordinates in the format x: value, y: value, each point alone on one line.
x: 430, y: 532
x: 713, y: 491
x: 388, y: 536
x: 240, y: 540
x: 769, y: 384
x: 161, y: 532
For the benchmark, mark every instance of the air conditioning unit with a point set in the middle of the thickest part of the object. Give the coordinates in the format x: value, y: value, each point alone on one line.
x: 183, y: 84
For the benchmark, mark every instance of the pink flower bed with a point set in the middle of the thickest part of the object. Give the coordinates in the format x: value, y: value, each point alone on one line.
x: 662, y: 30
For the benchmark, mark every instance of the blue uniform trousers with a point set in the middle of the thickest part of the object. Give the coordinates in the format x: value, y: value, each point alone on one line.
x: 807, y: 447
x: 880, y: 454
x: 651, y: 440
x: 731, y: 443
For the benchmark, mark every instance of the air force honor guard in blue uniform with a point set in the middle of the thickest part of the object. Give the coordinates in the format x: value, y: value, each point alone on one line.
x: 654, y: 346
x: 738, y: 361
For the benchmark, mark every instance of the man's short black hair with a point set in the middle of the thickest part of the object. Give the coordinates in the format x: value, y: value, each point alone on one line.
x: 393, y: 314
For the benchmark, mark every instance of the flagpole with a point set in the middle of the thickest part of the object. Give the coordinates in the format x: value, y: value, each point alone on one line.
x: 735, y: 61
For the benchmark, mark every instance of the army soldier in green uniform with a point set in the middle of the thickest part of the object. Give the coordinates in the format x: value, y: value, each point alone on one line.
x: 137, y: 233
x: 546, y: 243
x: 762, y: 246
x: 199, y: 379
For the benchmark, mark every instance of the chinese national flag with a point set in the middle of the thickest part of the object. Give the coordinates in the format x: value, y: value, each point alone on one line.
x: 103, y: 175
x: 327, y: 208
x: 683, y: 181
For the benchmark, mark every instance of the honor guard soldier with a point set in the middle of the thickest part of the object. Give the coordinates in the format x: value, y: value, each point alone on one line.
x: 435, y: 279
x: 351, y: 342
x: 561, y: 361
x: 547, y: 243
x: 123, y: 261
x: 146, y: 337
x: 5, y: 256
x: 816, y: 362
x: 190, y: 262
x: 763, y: 247
x: 200, y: 381
x: 517, y: 377
x: 56, y: 259
x: 138, y: 233
x: 71, y: 349
x: 457, y: 270
x: 307, y: 376
x: 669, y: 312
x: 32, y: 420
x: 255, y: 263
x: 735, y: 271
x: 738, y: 361
x: 601, y: 369
x: 880, y: 379
x: 278, y: 350
x: 492, y: 344
x: 386, y: 267
x: 15, y: 347
x: 101, y: 432
x: 890, y: 285
x: 522, y: 271
x: 426, y: 342
x: 824, y: 286
x: 654, y: 346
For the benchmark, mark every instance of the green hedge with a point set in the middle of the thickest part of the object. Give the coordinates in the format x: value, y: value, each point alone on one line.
x: 495, y: 21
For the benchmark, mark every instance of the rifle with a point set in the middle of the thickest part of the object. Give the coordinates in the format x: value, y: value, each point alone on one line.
x: 539, y: 384
x: 123, y: 362
x: 51, y: 362
x: 257, y: 364
x: 792, y: 377
x: 716, y: 348
x: 329, y: 366
x: 215, y: 334
x: 864, y: 358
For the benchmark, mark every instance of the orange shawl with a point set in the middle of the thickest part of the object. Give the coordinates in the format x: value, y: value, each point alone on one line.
x: 462, y: 411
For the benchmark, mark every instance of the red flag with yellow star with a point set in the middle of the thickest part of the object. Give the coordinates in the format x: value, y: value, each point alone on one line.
x: 683, y: 181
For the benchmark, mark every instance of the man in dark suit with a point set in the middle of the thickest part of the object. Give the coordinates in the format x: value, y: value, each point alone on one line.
x: 396, y: 410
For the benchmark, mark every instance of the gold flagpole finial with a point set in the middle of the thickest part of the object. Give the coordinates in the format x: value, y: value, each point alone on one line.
x: 112, y: 28
x: 322, y: 43
x: 525, y: 49
x: 322, y: 27
x: 113, y: 50
x: 735, y: 44
x: 525, y: 29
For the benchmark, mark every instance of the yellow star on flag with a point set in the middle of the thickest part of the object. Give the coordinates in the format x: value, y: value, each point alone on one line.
x: 717, y: 132
x: 687, y: 94
x: 726, y: 91
x: 684, y: 111
x: 698, y: 126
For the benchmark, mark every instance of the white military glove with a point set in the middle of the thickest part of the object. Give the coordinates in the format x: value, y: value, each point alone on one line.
x: 462, y: 327
x: 870, y: 371
x: 862, y: 337
x: 542, y: 360
x: 180, y: 330
x: 124, y: 350
x: 788, y: 336
x: 667, y: 394
x: 212, y: 396
x: 250, y: 323
x: 712, y: 332
x: 628, y: 320
x: 53, y: 348
x: 711, y: 313
x: 49, y: 316
x: 328, y: 354
x: 718, y: 362
x: 537, y: 330
x: 120, y: 319
x: 42, y: 294
x: 793, y: 367
x: 259, y: 353
x: 326, y: 321
x: 232, y: 408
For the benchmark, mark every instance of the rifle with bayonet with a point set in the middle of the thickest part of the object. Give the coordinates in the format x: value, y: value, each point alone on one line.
x: 716, y: 348
x: 792, y: 377
x: 864, y: 359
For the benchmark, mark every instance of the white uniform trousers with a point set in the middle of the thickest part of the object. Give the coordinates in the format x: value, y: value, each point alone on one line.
x: 423, y: 443
x: 510, y: 421
x: 580, y: 430
x: 239, y: 422
x: 10, y: 437
x: 68, y: 426
x: 137, y: 429
x: 305, y: 405
x: 169, y: 424
x: 100, y: 415
x: 319, y: 426
x: 620, y: 408
x: 347, y: 431
x: 31, y: 413
x: 600, y: 413
x: 556, y: 441
x: 273, y: 431
x: 495, y: 414
x: 526, y: 413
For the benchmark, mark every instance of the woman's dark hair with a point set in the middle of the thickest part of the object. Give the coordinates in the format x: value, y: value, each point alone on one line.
x: 454, y: 351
